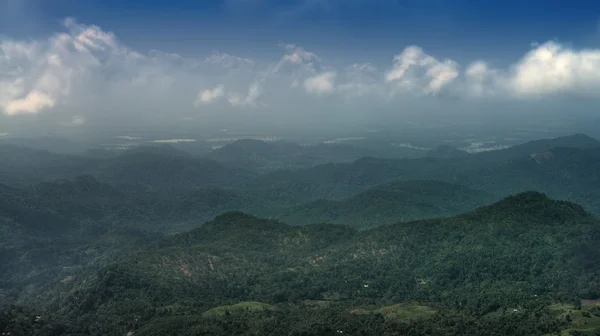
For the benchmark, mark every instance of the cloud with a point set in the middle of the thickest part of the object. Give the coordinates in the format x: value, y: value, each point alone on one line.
x: 254, y: 92
x: 483, y: 81
x: 32, y: 103
x: 87, y: 68
x: 42, y: 74
x: 415, y: 70
x: 75, y: 121
x: 297, y: 63
x: 208, y: 96
x: 361, y: 80
x: 552, y: 68
x: 321, y: 83
x: 228, y: 61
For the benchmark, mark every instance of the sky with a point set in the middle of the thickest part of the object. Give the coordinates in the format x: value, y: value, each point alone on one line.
x: 76, y: 64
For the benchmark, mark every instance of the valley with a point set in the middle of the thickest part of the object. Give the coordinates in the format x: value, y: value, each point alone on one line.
x: 158, y: 240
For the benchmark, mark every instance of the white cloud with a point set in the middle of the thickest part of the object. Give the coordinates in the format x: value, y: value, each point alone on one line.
x: 249, y: 100
x: 297, y: 56
x: 482, y: 81
x: 32, y: 103
x: 362, y: 80
x: 551, y: 68
x: 414, y: 69
x: 208, y: 96
x: 228, y: 61
x: 75, y: 121
x: 42, y: 74
x: 88, y: 68
x: 321, y: 83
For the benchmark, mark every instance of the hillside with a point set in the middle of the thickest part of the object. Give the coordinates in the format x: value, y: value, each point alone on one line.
x: 537, y: 146
x: 568, y: 173
x: 22, y: 166
x: 264, y: 156
x: 494, y: 271
x: 390, y: 203
x: 55, y: 231
x: 141, y: 169
x: 149, y: 171
x: 446, y: 152
x: 47, y: 143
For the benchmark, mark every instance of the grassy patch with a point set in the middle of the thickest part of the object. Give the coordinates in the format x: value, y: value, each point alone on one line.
x: 583, y: 322
x: 317, y: 303
x: 251, y: 306
x: 406, y: 312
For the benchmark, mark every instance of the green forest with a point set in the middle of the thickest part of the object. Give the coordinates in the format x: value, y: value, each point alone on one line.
x: 155, y: 241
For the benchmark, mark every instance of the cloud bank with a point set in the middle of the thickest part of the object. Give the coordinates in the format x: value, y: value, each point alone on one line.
x: 85, y: 70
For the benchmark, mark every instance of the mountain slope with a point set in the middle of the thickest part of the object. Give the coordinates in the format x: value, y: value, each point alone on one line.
x: 568, y: 173
x: 140, y: 169
x: 446, y: 152
x: 390, y: 203
x: 264, y: 156
x: 577, y: 140
x: 524, y: 251
x: 148, y: 171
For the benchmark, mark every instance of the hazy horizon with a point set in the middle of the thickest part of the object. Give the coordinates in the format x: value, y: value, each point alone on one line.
x: 77, y: 68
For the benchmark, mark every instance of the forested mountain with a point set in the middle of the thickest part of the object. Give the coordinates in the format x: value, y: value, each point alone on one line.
x: 47, y: 143
x: 139, y: 169
x: 568, y: 173
x: 446, y: 152
x: 87, y: 243
x: 264, y: 156
x: 520, y: 266
x: 538, y: 146
x: 143, y: 171
x: 390, y: 203
x: 22, y: 166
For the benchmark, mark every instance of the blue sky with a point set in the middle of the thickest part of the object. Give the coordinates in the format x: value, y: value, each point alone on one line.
x: 459, y: 28
x: 411, y: 55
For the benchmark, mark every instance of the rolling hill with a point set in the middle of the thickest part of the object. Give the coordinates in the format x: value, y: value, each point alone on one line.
x: 141, y: 169
x: 261, y: 156
x: 497, y: 270
x: 446, y: 152
x: 567, y: 172
x: 390, y: 203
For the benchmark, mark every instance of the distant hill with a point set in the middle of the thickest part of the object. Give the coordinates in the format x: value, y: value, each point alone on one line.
x: 196, y: 147
x: 446, y: 152
x: 158, y: 149
x: 569, y: 173
x: 264, y: 156
x: 142, y: 170
x: 47, y: 143
x: 502, y: 267
x: 138, y: 169
x: 390, y: 203
x: 22, y: 166
x: 537, y: 146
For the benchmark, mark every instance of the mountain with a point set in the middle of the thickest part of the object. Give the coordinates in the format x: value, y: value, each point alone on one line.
x: 513, y: 267
x: 195, y: 147
x: 264, y: 156
x: 21, y: 216
x: 48, y: 143
x: 56, y: 230
x: 568, y: 173
x: 22, y: 166
x: 148, y: 171
x: 577, y: 140
x: 446, y: 152
x: 157, y: 149
x: 140, y: 169
x: 390, y: 203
